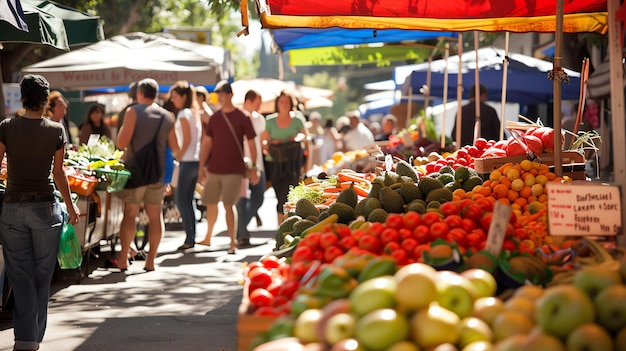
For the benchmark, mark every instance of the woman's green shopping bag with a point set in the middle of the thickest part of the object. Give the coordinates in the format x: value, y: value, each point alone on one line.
x: 70, y: 255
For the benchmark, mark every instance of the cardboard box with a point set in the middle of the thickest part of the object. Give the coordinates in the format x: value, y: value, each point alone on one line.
x: 487, y: 165
x: 250, y: 326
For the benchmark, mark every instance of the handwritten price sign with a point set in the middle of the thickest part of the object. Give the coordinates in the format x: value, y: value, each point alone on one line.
x: 584, y: 209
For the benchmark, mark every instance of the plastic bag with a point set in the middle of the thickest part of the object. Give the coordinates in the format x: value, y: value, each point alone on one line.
x: 70, y: 255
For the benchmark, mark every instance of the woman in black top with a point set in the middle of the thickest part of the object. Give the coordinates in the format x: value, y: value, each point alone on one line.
x: 32, y: 218
x: 94, y: 124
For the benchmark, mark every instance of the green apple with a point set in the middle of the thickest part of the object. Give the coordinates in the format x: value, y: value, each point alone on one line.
x: 512, y: 343
x: 305, y: 327
x: 620, y: 340
x: 487, y: 308
x: 611, y: 307
x: 416, y: 286
x: 373, y: 294
x: 562, y: 308
x: 592, y: 279
x: 472, y: 329
x: 403, y: 345
x: 482, y: 280
x: 510, y: 323
x: 456, y: 293
x: 330, y: 309
x: 434, y: 325
x: 589, y: 337
x: 338, y: 327
x: 542, y: 342
x: 521, y: 304
x: 532, y: 292
x: 479, y: 346
x: 379, y: 329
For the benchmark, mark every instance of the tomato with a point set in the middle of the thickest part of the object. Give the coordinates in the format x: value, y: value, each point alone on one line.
x: 288, y: 288
x: 457, y: 235
x: 411, y: 220
x: 481, y: 143
x: 449, y: 208
x: 485, y: 221
x: 454, y: 221
x: 279, y: 301
x: 481, y: 233
x: 341, y: 229
x: 260, y: 278
x: 474, y: 240
x: 375, y: 229
x: 389, y: 235
x: 429, y: 218
x: 417, y: 252
x: 409, y: 244
x: 394, y: 221
x: 302, y: 254
x: 391, y: 247
x: 473, y: 212
x: 469, y: 224
x: 347, y: 243
x: 473, y: 151
x: 328, y: 239
x: 311, y: 240
x: 521, y: 234
x: 400, y: 256
x: 422, y: 234
x: 261, y: 297
x: 297, y: 270
x: 439, y: 230
x: 370, y: 243
x: 405, y: 233
x: 332, y: 252
x: 252, y: 266
x: 485, y: 204
x: 270, y: 262
x: 462, y: 153
x: 274, y: 287
x: 357, y: 234
x: 509, y: 245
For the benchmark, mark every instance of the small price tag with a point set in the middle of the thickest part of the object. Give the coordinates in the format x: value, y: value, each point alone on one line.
x: 388, y: 162
x: 497, y: 228
x: 373, y: 149
x: 93, y: 139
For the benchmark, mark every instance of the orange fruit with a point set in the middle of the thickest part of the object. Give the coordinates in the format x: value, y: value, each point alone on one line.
x: 526, y: 192
x: 506, y: 181
x: 495, y: 175
x: 517, y: 185
x: 500, y: 191
x: 526, y: 165
x: 512, y: 195
x: 459, y: 192
x: 537, y: 189
x: 483, y: 190
x: 541, y: 179
x: 521, y: 202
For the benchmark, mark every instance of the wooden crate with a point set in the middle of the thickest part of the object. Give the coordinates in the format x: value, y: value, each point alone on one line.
x: 250, y: 326
x: 487, y: 165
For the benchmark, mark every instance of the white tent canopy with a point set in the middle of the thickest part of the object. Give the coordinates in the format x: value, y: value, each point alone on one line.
x: 125, y: 58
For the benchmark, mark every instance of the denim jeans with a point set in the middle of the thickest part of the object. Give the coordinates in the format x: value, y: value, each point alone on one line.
x: 30, y: 233
x: 187, y: 179
x: 247, y: 208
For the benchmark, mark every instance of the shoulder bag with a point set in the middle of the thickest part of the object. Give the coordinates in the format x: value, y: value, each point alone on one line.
x: 145, y: 168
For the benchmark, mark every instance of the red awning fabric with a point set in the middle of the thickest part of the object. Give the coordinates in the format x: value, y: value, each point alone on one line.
x: 449, y: 15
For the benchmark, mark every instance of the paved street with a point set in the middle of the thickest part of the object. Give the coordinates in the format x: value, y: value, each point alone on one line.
x: 189, y: 303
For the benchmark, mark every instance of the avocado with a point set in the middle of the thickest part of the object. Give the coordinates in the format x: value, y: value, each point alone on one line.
x: 409, y: 192
x: 441, y: 195
x: 305, y: 208
x: 403, y: 168
x: 344, y: 211
x: 391, y: 201
x: 378, y: 215
x: 348, y: 196
x: 427, y: 184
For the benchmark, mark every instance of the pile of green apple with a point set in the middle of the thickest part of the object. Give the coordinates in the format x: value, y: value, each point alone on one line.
x: 420, y: 308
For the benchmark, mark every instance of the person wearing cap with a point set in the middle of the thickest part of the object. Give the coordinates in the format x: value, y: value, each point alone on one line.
x: 32, y: 219
x: 144, y: 123
x: 221, y: 162
x: 359, y: 135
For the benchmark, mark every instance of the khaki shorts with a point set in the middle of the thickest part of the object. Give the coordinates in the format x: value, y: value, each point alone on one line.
x: 148, y: 195
x: 224, y: 187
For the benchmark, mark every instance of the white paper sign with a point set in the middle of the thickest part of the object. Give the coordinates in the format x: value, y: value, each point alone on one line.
x: 584, y: 209
x: 93, y: 139
x: 497, y: 228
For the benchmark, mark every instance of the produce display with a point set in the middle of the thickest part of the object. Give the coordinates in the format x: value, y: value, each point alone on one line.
x: 401, y: 260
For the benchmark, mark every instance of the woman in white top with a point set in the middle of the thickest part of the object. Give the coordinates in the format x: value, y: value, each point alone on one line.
x: 188, y: 129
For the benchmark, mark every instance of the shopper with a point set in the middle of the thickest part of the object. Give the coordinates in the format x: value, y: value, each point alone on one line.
x: 56, y: 110
x: 189, y: 131
x: 94, y: 124
x: 144, y: 122
x: 489, y: 121
x: 221, y: 152
x: 32, y: 218
x: 249, y: 204
x: 284, y: 136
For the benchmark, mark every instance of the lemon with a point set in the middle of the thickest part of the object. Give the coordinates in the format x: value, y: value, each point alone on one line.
x: 526, y: 165
x: 541, y: 179
x: 495, y: 175
x: 517, y: 184
x: 512, y: 174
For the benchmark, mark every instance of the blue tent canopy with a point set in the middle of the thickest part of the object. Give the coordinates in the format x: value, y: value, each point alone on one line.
x: 300, y: 38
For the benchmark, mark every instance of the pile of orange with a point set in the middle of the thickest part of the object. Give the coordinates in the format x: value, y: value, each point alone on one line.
x: 520, y: 185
